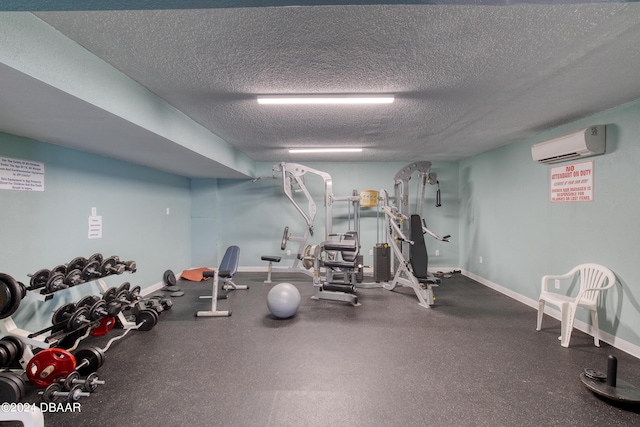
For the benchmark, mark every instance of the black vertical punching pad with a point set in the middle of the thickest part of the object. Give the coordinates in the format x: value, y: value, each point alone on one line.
x: 418, y: 251
x: 609, y: 386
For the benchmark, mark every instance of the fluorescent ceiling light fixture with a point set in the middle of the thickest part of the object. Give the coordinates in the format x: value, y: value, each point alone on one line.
x: 325, y: 150
x: 324, y: 99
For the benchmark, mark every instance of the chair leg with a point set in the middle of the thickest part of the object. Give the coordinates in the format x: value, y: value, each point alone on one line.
x: 540, y: 314
x: 594, y: 326
x: 568, y: 314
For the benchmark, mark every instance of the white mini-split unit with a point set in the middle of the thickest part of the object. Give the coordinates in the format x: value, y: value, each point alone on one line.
x: 585, y: 142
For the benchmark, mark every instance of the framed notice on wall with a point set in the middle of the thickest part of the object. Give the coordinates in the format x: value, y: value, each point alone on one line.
x: 572, y: 183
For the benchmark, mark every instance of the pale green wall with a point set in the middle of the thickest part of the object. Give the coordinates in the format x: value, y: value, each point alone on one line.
x: 253, y: 214
x: 44, y: 229
x: 507, y: 218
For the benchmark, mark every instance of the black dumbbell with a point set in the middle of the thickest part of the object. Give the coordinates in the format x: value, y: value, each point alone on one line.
x: 54, y: 391
x: 88, y: 384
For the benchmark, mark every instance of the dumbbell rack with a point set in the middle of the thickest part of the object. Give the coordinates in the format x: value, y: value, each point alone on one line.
x: 9, y: 327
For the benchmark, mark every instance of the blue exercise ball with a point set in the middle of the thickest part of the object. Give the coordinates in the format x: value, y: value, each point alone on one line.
x: 283, y: 300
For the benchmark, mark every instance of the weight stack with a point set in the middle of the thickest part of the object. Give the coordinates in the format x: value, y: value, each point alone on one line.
x: 381, y: 262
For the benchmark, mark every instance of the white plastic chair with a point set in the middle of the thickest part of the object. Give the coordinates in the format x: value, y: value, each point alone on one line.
x: 594, y: 279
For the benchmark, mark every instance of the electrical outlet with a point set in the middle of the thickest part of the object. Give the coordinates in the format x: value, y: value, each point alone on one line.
x: 168, y: 211
x: 437, y: 252
x: 288, y: 252
x: 480, y: 260
x: 370, y: 251
x: 557, y: 284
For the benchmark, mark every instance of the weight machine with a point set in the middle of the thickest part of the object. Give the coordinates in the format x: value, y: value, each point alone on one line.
x: 338, y: 257
x: 405, y: 233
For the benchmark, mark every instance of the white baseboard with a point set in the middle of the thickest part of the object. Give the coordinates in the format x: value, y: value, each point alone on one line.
x: 618, y: 343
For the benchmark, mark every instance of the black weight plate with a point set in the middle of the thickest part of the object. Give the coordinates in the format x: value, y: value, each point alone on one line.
x: 62, y: 314
x: 109, y: 295
x: 11, y: 348
x: 68, y: 382
x: 91, y: 270
x: 23, y: 289
x: 88, y: 301
x: 172, y: 288
x: 78, y: 319
x: 4, y: 357
x: 169, y: 278
x: 90, y: 385
x: 113, y: 309
x: 39, y: 278
x: 96, y: 257
x: 49, y: 394
x: 134, y: 293
x: 147, y: 319
x: 595, y: 375
x: 14, y: 293
x: 73, y: 277
x: 9, y: 391
x: 5, y: 297
x: 77, y: 263
x: 93, y: 355
x: 55, y: 282
x: 124, y: 287
x: 18, y: 343
x: 59, y: 269
x: 97, y: 310
x: 107, y: 266
x: 177, y: 294
x: 17, y: 379
x: 166, y: 303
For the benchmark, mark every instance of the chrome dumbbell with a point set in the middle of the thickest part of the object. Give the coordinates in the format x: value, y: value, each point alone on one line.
x: 88, y: 384
x: 54, y: 391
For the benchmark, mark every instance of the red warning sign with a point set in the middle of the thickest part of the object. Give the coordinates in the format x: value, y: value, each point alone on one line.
x: 572, y: 183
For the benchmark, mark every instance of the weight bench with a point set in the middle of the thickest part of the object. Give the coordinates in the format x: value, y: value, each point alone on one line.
x: 226, y: 271
x: 230, y: 263
x: 271, y: 260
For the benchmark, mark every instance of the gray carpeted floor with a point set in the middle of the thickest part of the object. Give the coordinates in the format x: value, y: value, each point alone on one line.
x: 474, y: 359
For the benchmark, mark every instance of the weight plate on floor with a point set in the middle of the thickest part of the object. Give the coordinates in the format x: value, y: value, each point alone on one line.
x: 62, y: 314
x: 177, y: 294
x: 77, y: 263
x: 172, y: 288
x: 93, y: 355
x: 595, y: 375
x: 49, y: 394
x: 39, y: 278
x: 169, y: 278
x: 68, y: 382
x: 90, y: 385
x: 48, y: 365
x: 14, y: 294
x: 147, y: 319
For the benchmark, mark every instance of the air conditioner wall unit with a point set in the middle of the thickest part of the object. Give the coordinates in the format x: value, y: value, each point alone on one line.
x: 585, y: 142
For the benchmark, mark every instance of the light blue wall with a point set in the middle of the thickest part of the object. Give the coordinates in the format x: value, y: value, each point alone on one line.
x: 507, y: 218
x: 44, y: 229
x: 253, y: 215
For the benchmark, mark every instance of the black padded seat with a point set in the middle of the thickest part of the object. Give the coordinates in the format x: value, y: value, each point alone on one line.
x: 270, y: 258
x: 418, y: 252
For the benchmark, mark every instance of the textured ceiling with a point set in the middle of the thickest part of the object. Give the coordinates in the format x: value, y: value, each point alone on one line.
x: 467, y: 78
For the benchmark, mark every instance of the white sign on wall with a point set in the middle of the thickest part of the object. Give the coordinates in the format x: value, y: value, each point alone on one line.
x: 572, y: 183
x: 95, y: 225
x: 21, y: 175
